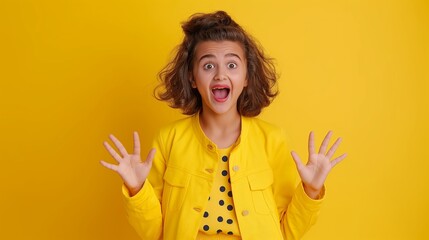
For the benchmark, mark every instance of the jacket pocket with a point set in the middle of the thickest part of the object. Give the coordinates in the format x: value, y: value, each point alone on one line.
x: 260, y: 187
x: 175, y: 187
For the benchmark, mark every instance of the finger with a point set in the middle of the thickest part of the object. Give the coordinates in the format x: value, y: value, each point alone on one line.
x: 338, y: 160
x: 311, y: 144
x: 136, y: 144
x: 119, y: 145
x: 334, y: 147
x: 325, y: 143
x: 150, y: 156
x: 109, y: 166
x: 297, y: 159
x: 112, y: 152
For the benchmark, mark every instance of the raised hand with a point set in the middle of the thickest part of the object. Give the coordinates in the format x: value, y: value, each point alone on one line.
x: 315, y: 172
x: 130, y: 167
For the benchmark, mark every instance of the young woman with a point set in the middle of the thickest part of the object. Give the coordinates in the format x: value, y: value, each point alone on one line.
x: 221, y: 173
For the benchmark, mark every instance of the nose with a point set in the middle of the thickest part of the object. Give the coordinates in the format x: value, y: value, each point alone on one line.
x: 221, y: 73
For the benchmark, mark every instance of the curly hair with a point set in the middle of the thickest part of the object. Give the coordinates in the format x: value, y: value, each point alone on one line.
x: 176, y: 76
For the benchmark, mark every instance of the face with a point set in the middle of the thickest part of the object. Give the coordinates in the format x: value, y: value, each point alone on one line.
x: 219, y: 74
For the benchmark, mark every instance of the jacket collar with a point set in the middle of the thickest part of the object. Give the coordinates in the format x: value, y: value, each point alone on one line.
x: 211, y: 146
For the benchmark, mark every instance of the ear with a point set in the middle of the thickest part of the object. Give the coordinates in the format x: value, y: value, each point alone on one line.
x: 191, y: 80
x: 246, y: 82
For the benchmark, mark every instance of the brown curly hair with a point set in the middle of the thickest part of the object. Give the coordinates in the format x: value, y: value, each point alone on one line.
x: 176, y: 76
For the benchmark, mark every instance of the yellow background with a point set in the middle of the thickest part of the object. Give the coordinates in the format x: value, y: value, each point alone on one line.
x: 71, y: 72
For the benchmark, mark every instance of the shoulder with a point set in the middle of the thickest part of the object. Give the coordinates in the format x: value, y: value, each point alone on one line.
x: 266, y: 134
x: 180, y: 125
x: 261, y: 127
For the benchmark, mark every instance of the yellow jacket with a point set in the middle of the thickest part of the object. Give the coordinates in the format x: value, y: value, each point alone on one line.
x: 268, y: 202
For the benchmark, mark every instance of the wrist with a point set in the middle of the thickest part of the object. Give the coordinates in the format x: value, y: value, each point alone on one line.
x: 313, y: 193
x: 133, y: 190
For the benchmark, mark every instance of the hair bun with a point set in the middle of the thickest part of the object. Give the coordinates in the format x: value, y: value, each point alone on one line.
x: 202, y: 22
x: 223, y: 18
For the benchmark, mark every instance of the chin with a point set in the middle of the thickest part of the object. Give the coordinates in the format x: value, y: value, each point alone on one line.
x: 223, y: 110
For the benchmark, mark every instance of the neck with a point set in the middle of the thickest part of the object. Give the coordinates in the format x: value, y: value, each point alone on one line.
x: 223, y: 129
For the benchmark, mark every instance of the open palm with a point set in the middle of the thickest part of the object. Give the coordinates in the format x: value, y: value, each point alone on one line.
x: 315, y: 172
x: 130, y: 167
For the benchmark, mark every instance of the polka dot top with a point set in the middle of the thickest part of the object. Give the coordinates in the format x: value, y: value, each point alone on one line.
x: 219, y: 217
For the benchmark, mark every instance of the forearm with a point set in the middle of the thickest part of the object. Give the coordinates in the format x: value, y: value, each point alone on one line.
x: 144, y: 212
x: 301, y: 214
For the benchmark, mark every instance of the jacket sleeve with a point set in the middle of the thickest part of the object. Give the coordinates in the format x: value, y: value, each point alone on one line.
x: 301, y: 214
x: 143, y: 210
x: 296, y: 210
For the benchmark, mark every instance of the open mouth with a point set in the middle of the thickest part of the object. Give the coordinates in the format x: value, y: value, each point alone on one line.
x: 220, y: 93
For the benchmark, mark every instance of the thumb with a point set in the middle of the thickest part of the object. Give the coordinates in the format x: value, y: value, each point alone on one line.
x: 150, y: 156
x: 297, y: 160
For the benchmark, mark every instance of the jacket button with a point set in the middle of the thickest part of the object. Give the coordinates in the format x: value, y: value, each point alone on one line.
x: 209, y: 170
x: 235, y: 168
x: 197, y: 209
x: 245, y: 213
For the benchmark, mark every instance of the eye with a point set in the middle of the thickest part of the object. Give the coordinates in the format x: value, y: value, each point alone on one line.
x: 208, y: 66
x: 232, y: 65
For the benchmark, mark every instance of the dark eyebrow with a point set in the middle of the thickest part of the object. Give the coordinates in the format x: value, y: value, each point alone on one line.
x: 232, y: 55
x: 212, y: 56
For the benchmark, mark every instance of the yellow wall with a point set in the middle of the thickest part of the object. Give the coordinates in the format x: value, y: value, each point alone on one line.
x: 71, y: 72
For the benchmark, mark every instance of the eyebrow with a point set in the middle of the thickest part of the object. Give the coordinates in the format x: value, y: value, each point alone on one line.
x: 212, y: 56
